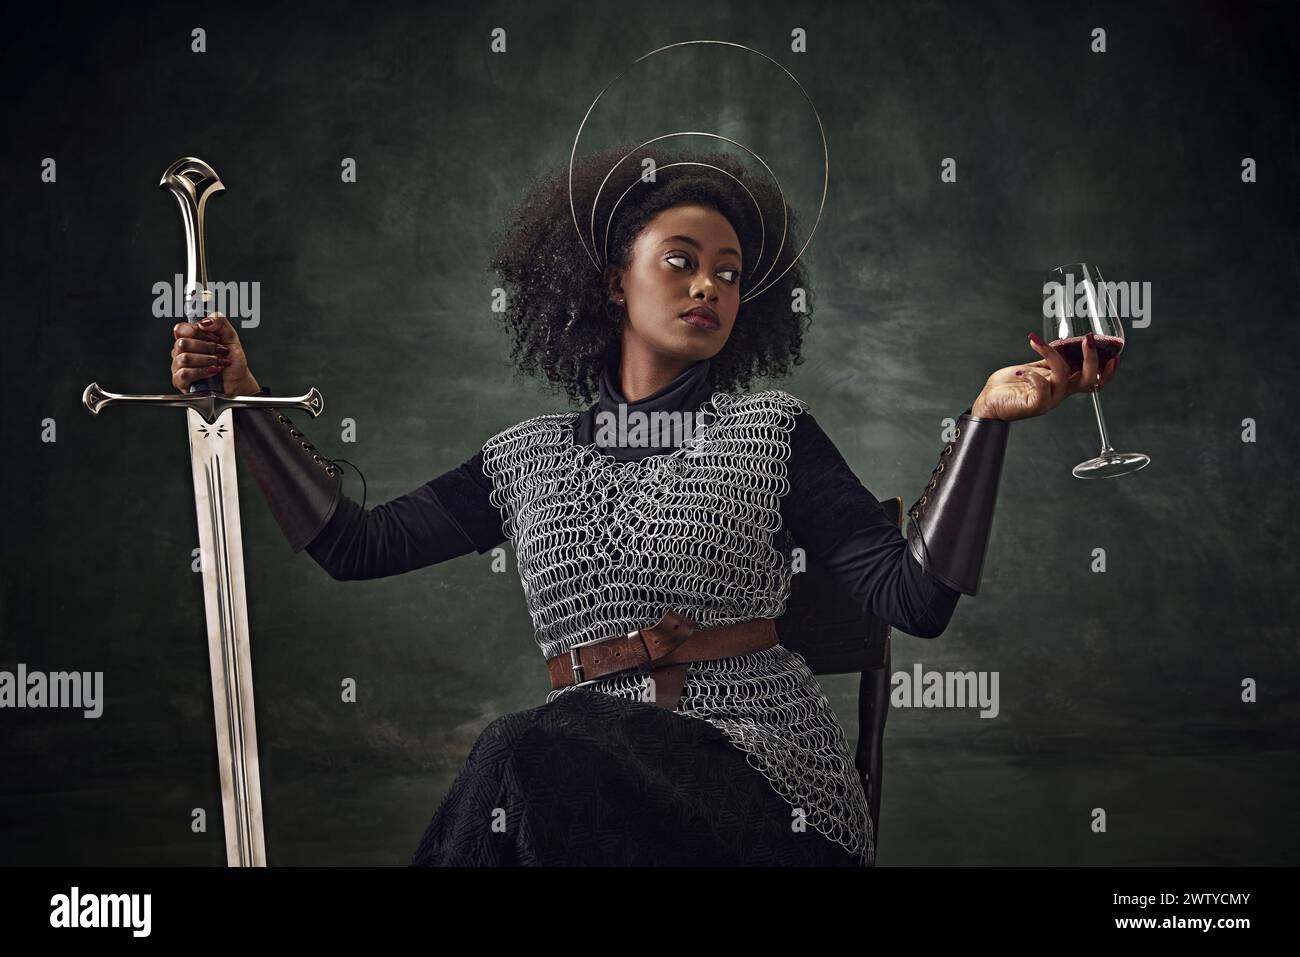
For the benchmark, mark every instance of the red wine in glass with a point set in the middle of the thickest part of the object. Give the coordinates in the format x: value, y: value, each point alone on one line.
x: 1077, y: 302
x: 1072, y: 349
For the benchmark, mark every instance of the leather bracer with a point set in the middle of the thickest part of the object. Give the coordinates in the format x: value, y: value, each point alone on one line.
x: 950, y: 524
x: 301, y: 486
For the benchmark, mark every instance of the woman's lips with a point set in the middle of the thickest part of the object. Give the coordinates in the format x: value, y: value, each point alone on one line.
x: 699, y: 321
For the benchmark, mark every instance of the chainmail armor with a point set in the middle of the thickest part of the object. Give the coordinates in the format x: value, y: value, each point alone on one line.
x: 605, y: 547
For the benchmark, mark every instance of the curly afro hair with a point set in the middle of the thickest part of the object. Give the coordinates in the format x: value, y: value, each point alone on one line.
x: 558, y: 312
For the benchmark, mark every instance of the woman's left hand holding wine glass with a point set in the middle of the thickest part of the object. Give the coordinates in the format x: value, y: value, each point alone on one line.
x: 1025, y: 391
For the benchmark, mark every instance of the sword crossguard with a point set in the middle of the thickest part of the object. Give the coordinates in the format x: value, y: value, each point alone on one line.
x: 209, y: 405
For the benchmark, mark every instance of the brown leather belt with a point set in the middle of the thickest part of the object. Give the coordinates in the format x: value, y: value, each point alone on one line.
x: 662, y: 652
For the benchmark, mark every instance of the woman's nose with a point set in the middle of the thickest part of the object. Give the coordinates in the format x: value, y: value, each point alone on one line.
x: 706, y: 286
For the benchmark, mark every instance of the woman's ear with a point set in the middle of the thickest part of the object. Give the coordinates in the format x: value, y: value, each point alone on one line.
x: 614, y: 286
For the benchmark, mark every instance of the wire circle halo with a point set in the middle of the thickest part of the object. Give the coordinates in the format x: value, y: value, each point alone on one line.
x: 820, y: 129
x: 762, y: 223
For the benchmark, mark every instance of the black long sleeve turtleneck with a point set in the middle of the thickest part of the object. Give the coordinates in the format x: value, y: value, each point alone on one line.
x: 827, y: 510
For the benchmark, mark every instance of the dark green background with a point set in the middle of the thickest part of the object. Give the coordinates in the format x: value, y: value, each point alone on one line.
x: 1119, y: 691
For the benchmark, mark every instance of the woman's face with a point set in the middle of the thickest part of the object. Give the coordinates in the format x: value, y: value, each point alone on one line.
x: 687, y: 257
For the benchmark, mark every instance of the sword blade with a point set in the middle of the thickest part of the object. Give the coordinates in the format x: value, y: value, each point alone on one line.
x: 216, y: 497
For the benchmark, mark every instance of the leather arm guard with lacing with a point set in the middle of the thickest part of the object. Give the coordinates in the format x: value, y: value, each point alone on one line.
x: 301, y: 486
x: 950, y: 523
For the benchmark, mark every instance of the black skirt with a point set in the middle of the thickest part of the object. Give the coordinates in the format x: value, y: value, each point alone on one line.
x: 592, y: 779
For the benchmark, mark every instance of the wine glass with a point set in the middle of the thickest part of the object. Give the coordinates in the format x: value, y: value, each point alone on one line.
x: 1077, y: 301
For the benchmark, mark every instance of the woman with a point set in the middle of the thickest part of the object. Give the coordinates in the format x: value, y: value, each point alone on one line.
x: 677, y: 550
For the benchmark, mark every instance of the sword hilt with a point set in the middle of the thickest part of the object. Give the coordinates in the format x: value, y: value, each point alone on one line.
x: 193, y: 182
x: 207, y: 403
x: 199, y: 305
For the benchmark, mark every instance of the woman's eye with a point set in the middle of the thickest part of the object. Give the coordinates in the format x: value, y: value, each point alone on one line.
x: 735, y: 273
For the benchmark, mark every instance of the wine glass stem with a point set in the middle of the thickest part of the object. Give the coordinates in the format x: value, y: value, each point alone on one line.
x: 1101, y: 423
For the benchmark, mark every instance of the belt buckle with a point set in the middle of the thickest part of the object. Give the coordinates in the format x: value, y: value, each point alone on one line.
x: 577, y: 668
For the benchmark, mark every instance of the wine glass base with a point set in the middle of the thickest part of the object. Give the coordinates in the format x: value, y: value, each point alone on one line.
x: 1110, y: 463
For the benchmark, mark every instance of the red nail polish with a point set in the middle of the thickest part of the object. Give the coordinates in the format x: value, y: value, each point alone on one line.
x: 1092, y: 343
x: 1020, y: 372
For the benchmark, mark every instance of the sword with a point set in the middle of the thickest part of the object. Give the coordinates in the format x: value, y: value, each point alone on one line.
x: 210, y: 414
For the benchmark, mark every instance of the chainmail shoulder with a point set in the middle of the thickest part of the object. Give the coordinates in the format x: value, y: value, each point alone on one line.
x: 605, y: 547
